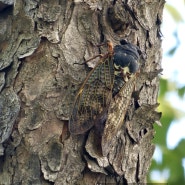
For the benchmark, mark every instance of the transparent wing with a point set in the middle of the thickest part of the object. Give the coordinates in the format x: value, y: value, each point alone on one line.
x: 93, y: 97
x: 116, y: 114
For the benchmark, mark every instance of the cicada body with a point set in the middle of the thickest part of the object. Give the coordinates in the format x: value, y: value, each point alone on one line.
x: 97, y: 99
x: 94, y: 96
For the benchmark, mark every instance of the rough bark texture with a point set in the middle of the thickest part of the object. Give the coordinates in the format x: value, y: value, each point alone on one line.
x: 39, y: 43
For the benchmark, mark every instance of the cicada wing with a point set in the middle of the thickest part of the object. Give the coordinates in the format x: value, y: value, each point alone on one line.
x: 93, y: 97
x: 116, y: 114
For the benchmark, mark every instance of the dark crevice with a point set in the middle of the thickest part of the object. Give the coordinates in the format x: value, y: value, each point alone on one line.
x: 133, y: 15
x: 100, y: 27
x: 137, y: 170
x: 6, y: 9
x: 114, y: 2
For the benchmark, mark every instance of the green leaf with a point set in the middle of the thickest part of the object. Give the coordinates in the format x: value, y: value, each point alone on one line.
x: 174, y: 13
x: 161, y: 132
x: 172, y: 159
x: 172, y: 50
x: 163, y: 87
x: 181, y: 92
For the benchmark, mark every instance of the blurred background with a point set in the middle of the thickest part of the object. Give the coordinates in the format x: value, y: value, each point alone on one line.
x: 168, y: 165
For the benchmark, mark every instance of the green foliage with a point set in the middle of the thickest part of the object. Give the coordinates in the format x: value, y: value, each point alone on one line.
x: 181, y: 92
x: 174, y: 13
x: 171, y: 159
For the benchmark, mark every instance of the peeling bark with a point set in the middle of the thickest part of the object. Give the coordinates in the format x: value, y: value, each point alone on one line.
x: 39, y: 42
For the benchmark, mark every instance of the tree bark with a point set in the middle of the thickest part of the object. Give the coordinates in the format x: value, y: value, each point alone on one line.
x: 39, y: 42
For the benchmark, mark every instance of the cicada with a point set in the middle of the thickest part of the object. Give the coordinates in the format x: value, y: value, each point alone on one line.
x: 94, y: 100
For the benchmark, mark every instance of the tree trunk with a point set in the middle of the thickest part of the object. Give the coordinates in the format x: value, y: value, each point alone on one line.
x: 40, y: 42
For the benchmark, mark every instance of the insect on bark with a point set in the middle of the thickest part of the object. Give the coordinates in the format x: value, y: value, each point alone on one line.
x: 106, y: 92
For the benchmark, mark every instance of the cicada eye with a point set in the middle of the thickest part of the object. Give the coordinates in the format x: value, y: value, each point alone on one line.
x: 123, y: 42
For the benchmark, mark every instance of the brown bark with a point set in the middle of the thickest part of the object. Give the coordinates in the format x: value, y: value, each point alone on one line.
x: 39, y: 44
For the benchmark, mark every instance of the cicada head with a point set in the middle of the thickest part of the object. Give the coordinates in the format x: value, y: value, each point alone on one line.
x: 126, y: 56
x: 126, y: 63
